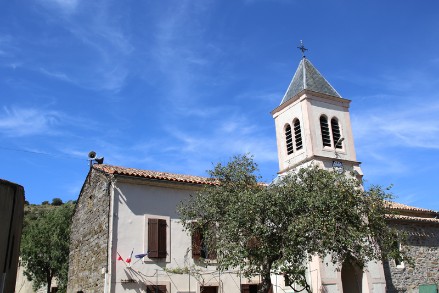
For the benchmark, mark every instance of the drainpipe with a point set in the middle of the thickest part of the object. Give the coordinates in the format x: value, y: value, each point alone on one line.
x: 110, y: 189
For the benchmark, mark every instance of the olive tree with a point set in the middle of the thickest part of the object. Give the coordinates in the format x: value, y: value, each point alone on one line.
x: 262, y: 229
x: 45, y: 247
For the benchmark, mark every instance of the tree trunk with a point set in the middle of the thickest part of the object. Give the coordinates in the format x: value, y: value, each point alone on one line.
x: 265, y: 280
x: 49, y: 281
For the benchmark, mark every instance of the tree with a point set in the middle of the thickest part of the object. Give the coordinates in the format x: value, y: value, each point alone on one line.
x: 57, y: 201
x: 45, y: 247
x: 264, y: 229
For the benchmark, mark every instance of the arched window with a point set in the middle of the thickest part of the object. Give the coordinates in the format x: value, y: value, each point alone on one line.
x: 336, y: 135
x: 288, y: 139
x: 297, y: 134
x: 324, y: 127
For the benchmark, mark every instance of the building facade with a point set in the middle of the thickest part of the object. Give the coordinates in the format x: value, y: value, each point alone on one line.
x: 126, y: 234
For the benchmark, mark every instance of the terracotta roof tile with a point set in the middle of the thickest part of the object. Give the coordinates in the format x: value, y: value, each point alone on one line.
x: 413, y: 219
x: 117, y: 170
x: 402, y: 207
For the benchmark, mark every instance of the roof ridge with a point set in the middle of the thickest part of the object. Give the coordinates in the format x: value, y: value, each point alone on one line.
x: 150, y: 174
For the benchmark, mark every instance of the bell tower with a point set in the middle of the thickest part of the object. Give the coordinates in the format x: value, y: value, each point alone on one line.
x: 313, y: 124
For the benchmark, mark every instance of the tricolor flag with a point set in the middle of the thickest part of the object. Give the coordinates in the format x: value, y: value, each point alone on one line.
x: 142, y: 255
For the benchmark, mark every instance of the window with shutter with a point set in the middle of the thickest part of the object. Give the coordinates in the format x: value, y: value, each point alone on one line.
x: 289, y: 139
x: 196, y: 244
x: 297, y: 134
x: 199, y: 247
x: 156, y: 289
x: 335, y: 127
x: 157, y: 238
x: 324, y: 127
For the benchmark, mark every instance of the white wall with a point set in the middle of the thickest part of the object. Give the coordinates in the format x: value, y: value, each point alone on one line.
x: 131, y: 203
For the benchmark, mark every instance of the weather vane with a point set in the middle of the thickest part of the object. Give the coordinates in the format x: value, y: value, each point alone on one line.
x: 302, y: 48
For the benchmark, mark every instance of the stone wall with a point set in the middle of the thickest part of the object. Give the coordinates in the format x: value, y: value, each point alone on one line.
x: 89, y: 235
x: 423, y: 247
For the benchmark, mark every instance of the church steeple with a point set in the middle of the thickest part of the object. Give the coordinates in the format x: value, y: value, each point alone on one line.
x: 313, y: 123
x: 307, y: 77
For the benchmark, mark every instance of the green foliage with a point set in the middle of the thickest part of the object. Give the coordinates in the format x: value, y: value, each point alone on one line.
x: 57, y: 201
x: 45, y: 202
x: 45, y: 246
x: 277, y: 228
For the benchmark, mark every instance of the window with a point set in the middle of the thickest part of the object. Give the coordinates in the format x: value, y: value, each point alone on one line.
x: 324, y: 127
x: 156, y: 289
x: 209, y: 289
x: 200, y: 249
x: 157, y: 230
x: 398, y: 261
x: 297, y: 134
x: 252, y: 288
x: 289, y: 139
x: 336, y: 135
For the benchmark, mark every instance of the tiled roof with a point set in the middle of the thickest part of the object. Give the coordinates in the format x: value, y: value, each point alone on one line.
x: 116, y: 170
x: 309, y: 78
x: 402, y: 207
x: 413, y: 219
x: 413, y: 214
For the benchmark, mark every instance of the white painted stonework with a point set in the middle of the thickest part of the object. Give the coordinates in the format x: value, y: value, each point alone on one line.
x: 133, y: 202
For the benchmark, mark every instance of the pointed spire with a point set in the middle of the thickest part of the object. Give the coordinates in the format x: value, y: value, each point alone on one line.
x: 307, y: 77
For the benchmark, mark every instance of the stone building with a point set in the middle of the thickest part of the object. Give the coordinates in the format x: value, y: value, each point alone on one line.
x: 422, y: 245
x: 126, y: 235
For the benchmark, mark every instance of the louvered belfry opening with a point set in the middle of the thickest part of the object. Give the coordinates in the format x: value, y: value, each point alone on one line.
x: 297, y: 134
x: 289, y: 139
x: 324, y: 127
x: 157, y: 238
x: 335, y: 127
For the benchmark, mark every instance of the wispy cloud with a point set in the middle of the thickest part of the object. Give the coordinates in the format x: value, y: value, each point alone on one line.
x: 18, y: 121
x: 30, y: 121
x: 56, y: 75
x: 415, y: 126
x: 67, y: 6
x: 179, y: 47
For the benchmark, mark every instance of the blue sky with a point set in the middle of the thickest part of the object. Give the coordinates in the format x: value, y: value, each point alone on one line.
x: 178, y: 85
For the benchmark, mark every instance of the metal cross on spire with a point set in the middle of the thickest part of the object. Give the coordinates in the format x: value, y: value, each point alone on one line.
x: 302, y: 48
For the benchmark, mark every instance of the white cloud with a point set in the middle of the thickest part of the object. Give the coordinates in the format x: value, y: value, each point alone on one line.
x: 56, y: 75
x: 20, y: 121
x: 415, y: 126
x: 27, y: 121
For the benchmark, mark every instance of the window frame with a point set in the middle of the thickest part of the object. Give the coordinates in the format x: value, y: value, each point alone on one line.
x: 208, y: 284
x: 146, y: 238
